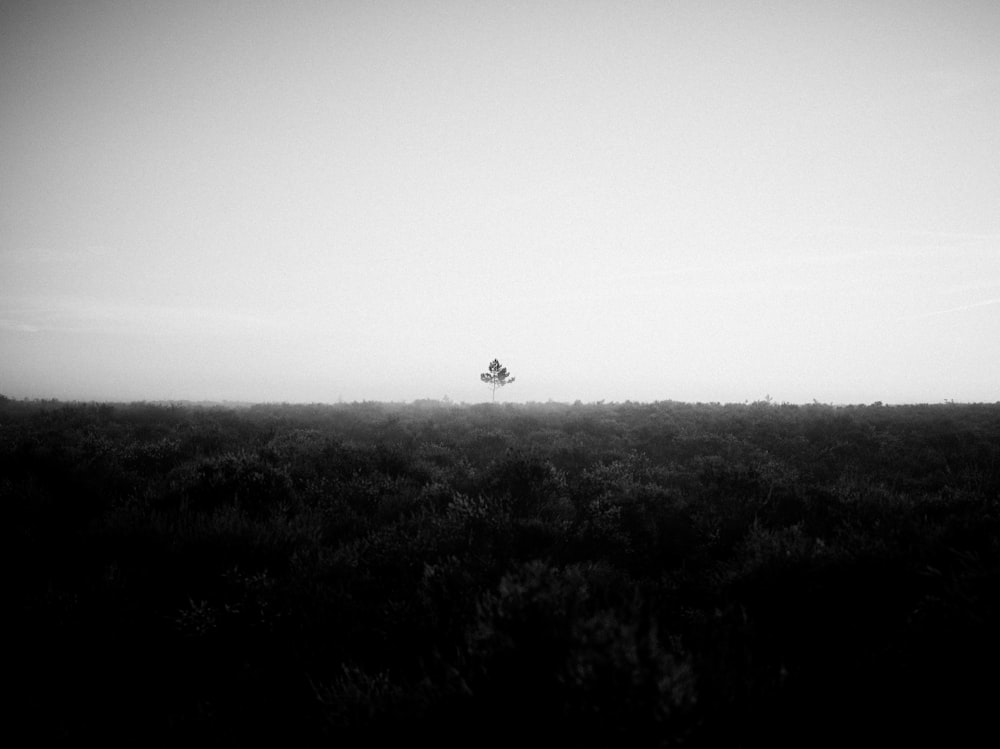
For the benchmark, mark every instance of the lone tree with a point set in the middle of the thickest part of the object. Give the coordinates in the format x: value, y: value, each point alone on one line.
x: 497, y: 377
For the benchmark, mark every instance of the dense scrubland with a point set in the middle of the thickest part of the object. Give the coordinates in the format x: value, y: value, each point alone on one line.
x: 606, y: 574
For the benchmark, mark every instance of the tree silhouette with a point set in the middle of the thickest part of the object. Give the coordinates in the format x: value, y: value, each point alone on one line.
x: 497, y: 377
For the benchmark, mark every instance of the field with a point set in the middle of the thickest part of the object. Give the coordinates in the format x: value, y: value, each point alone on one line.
x: 598, y: 575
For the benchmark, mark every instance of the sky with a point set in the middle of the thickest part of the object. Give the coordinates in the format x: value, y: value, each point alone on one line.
x: 324, y: 201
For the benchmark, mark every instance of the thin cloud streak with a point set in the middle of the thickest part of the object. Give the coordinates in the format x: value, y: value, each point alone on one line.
x: 18, y: 327
x: 963, y: 308
x: 69, y: 314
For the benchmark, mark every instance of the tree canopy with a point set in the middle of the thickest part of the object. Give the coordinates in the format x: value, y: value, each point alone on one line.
x: 496, y: 377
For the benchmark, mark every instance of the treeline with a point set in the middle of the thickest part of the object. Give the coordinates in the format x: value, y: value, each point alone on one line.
x: 623, y: 574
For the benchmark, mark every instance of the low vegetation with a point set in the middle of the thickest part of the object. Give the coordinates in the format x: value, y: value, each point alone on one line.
x: 606, y: 575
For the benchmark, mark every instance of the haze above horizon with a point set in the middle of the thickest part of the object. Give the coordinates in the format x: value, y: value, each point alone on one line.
x: 320, y: 201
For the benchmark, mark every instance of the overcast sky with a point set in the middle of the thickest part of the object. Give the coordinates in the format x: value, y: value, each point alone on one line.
x: 313, y: 201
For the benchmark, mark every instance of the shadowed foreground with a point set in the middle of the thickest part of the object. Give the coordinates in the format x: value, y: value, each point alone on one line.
x: 649, y: 574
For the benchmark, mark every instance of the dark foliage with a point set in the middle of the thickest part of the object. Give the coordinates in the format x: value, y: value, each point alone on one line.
x: 602, y: 575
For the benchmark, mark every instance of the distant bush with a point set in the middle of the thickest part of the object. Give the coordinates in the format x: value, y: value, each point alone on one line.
x: 241, y: 479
